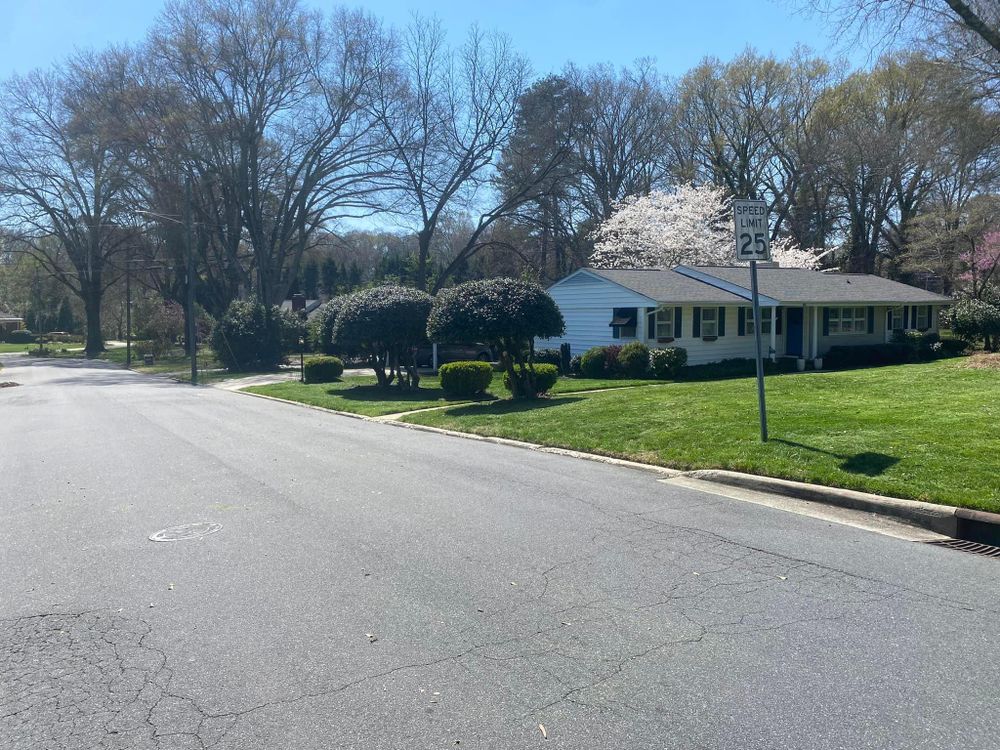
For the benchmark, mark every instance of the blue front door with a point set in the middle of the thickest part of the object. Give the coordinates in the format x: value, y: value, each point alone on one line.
x: 793, y: 332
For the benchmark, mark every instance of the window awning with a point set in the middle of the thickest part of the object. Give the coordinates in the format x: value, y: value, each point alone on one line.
x: 623, y: 317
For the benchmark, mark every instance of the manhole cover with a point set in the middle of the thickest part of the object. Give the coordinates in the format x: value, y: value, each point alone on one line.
x: 185, y: 531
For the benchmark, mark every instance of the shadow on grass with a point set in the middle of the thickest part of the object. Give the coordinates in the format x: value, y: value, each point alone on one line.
x: 867, y: 463
x: 509, y: 406
x: 395, y: 393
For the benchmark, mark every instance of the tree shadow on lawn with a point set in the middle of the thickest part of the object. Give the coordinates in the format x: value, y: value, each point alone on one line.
x: 867, y: 463
x: 511, y: 406
x: 395, y: 393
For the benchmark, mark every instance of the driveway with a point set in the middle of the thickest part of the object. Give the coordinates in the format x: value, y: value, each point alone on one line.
x: 377, y: 587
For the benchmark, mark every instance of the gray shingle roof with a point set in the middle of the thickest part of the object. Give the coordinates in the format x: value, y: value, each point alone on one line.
x: 667, y: 286
x: 794, y: 285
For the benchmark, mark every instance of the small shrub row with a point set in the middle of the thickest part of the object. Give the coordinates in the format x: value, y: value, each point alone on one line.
x: 634, y: 360
x: 546, y: 376
x: 465, y: 379
x: 906, y: 346
x: 322, y: 369
x: 734, y: 368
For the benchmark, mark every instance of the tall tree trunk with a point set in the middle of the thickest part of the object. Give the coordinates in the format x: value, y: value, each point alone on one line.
x: 92, y: 296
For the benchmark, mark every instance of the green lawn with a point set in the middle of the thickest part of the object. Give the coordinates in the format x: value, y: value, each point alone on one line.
x: 17, y: 348
x: 927, y: 431
x: 360, y: 395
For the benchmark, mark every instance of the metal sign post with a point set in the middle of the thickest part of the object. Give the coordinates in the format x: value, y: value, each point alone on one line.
x: 753, y: 244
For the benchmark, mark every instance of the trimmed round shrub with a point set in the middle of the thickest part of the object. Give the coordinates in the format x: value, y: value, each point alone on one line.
x: 249, y: 336
x: 387, y: 323
x: 545, y: 377
x: 465, y: 379
x: 633, y: 360
x: 321, y: 325
x: 322, y: 369
x: 592, y: 363
x: 665, y: 364
x: 506, y: 313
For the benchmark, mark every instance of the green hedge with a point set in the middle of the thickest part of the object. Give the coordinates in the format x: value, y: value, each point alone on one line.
x: 322, y: 369
x: 465, y: 379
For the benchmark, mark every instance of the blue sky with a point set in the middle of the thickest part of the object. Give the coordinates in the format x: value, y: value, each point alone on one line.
x: 36, y: 33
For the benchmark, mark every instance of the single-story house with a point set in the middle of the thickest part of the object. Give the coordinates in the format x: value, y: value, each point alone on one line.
x: 10, y: 322
x: 707, y: 310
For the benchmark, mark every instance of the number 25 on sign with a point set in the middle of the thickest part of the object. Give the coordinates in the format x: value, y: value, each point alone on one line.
x: 752, y: 231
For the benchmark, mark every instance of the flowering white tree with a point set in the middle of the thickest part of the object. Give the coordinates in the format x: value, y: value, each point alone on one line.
x: 690, y: 225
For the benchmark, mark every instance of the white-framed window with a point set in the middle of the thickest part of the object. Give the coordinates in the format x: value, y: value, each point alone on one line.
x: 709, y: 321
x: 896, y: 319
x: 766, y: 320
x: 664, y: 323
x: 921, y: 316
x: 848, y: 320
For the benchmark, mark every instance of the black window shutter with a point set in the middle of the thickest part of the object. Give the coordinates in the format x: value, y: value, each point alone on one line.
x: 888, y: 319
x: 826, y: 321
x: 930, y: 313
x: 696, y: 325
x: 906, y: 317
x: 871, y: 320
x: 650, y: 322
x: 721, y: 325
x: 741, y: 321
x: 678, y: 325
x: 777, y: 320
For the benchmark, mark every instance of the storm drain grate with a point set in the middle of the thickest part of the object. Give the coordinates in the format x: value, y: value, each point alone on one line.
x: 975, y: 548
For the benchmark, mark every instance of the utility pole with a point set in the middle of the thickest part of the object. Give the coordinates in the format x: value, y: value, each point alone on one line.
x: 192, y: 332
x: 128, y: 310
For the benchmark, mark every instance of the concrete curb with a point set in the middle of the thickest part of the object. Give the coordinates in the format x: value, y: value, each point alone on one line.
x: 960, y: 523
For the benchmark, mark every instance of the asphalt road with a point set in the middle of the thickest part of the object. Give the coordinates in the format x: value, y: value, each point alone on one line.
x: 376, y: 587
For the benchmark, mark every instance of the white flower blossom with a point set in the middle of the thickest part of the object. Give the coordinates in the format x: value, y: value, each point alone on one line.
x: 689, y: 225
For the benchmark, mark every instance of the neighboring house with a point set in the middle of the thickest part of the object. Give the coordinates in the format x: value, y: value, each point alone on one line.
x: 300, y: 304
x: 10, y: 322
x: 707, y: 310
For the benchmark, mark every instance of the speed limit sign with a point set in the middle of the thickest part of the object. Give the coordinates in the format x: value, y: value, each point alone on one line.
x: 752, y: 230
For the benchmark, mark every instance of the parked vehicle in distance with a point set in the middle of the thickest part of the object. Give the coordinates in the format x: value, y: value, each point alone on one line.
x: 453, y: 353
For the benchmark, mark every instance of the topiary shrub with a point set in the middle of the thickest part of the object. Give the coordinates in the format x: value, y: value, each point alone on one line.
x: 633, y: 360
x: 666, y: 364
x: 322, y: 369
x: 546, y: 376
x: 465, y: 379
x: 592, y: 363
x: 506, y: 313
x: 386, y: 323
x: 248, y: 336
x: 321, y: 325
